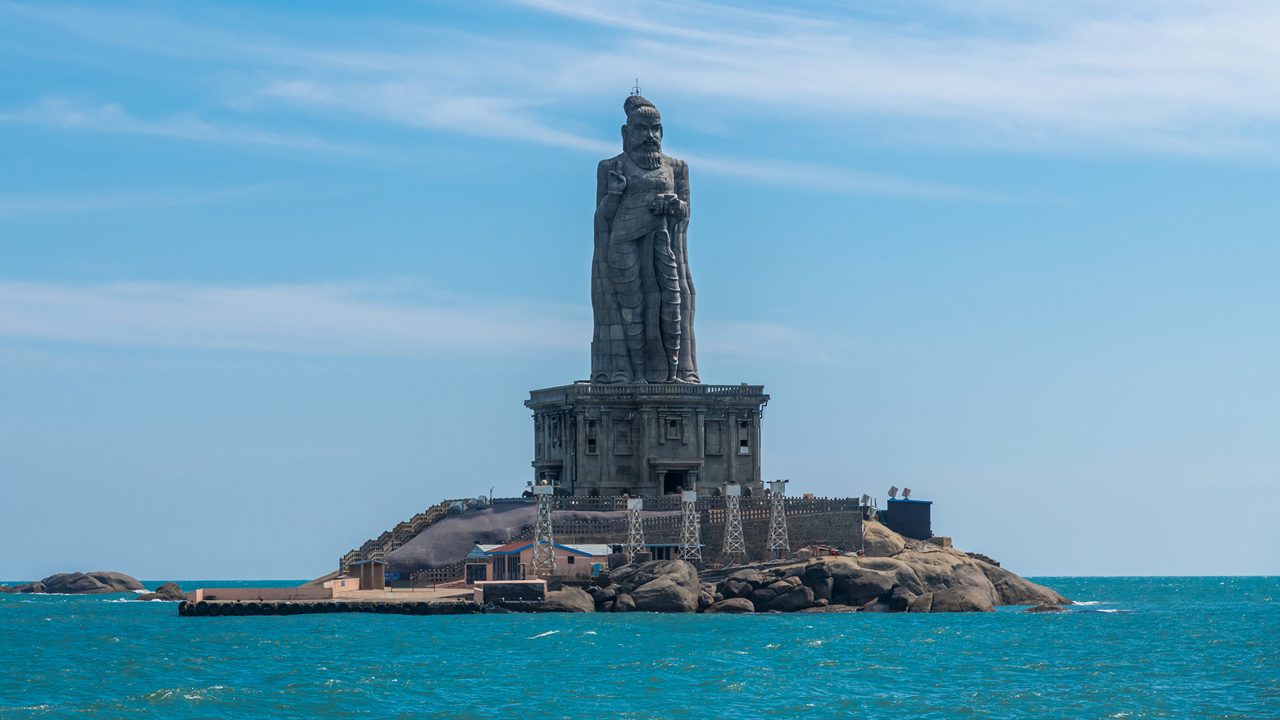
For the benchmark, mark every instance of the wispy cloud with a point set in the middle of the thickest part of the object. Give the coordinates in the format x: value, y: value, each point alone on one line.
x: 1193, y: 76
x: 1189, y: 77
x: 838, y: 180
x: 113, y: 118
x: 62, y: 204
x: 366, y: 319
x: 338, y: 319
x: 416, y: 105
x: 765, y: 340
x: 508, y: 120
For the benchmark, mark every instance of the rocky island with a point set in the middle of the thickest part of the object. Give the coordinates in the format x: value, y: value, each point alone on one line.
x: 644, y: 456
x: 893, y: 575
x: 98, y: 582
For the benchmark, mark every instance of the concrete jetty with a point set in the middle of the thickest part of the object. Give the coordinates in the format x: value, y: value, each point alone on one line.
x: 408, y: 606
x: 214, y: 602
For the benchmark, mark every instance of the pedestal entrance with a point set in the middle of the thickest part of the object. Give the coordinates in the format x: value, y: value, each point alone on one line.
x: 647, y: 439
x: 673, y: 481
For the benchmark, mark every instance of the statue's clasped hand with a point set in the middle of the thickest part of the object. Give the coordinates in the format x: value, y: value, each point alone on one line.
x: 667, y: 204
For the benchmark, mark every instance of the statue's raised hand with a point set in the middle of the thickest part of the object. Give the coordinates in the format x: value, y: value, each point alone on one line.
x: 617, y: 182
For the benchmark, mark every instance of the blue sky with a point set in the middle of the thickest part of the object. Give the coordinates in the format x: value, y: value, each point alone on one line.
x: 275, y: 276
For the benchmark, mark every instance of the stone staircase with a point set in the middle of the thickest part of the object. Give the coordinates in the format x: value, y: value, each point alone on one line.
x: 402, y: 533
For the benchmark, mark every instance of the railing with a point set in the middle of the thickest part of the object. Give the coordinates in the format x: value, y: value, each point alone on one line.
x: 755, y: 508
x: 511, y: 501
x: 584, y: 390
x: 795, y: 505
x: 437, y: 575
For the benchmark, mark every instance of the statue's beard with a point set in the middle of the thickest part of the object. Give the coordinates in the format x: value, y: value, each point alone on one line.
x: 648, y: 157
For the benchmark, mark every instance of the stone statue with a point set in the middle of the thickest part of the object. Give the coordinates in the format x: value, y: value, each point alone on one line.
x: 641, y: 291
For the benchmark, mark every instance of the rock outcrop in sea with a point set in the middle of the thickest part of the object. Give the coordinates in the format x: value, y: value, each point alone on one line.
x: 167, y: 591
x: 893, y: 575
x: 76, y: 583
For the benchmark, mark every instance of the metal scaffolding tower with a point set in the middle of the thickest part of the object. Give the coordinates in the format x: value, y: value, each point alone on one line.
x: 690, y: 528
x: 779, y: 545
x: 544, y: 549
x: 735, y: 547
x: 635, y: 529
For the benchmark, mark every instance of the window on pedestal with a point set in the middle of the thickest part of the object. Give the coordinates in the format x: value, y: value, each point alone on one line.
x: 675, y: 428
x: 592, y: 429
x: 714, y: 437
x: 744, y: 437
x: 622, y: 438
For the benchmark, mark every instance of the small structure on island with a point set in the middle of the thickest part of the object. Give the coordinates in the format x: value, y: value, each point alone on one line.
x: 371, y: 574
x: 515, y: 561
x: 909, y: 518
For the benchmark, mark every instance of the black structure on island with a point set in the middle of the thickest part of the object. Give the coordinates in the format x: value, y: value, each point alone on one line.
x: 644, y: 426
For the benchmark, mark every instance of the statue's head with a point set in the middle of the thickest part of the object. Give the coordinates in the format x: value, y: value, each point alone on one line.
x: 642, y: 135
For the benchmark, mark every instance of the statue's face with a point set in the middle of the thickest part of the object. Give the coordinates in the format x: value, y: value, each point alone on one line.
x: 643, y: 134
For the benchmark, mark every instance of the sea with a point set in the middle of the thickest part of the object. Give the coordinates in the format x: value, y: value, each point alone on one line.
x: 1132, y: 647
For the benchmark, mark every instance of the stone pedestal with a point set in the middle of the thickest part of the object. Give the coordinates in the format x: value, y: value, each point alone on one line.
x: 646, y: 440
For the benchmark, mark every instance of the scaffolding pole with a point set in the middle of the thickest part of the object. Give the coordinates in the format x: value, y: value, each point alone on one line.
x: 690, y: 528
x: 735, y: 546
x: 635, y: 528
x: 779, y: 545
x: 544, y: 546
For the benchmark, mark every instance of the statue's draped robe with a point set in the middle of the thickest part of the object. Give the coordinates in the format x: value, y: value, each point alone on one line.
x: 641, y: 291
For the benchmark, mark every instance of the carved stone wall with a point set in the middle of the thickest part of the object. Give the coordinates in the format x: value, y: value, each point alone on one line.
x: 647, y: 440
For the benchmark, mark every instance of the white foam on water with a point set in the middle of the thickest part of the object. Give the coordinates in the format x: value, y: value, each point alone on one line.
x: 1087, y: 602
x: 1110, y: 610
x: 541, y: 635
x: 589, y: 632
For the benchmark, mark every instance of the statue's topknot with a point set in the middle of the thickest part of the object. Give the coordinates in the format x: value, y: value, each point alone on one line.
x: 638, y: 103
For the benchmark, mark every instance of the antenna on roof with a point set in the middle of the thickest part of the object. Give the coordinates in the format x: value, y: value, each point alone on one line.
x: 635, y: 90
x: 893, y: 492
x: 906, y: 493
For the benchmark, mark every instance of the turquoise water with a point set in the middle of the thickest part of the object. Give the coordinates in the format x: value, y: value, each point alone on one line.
x: 1147, y: 648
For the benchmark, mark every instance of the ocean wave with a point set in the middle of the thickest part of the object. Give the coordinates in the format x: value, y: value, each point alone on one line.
x: 184, y: 693
x: 541, y: 635
x: 1087, y: 602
